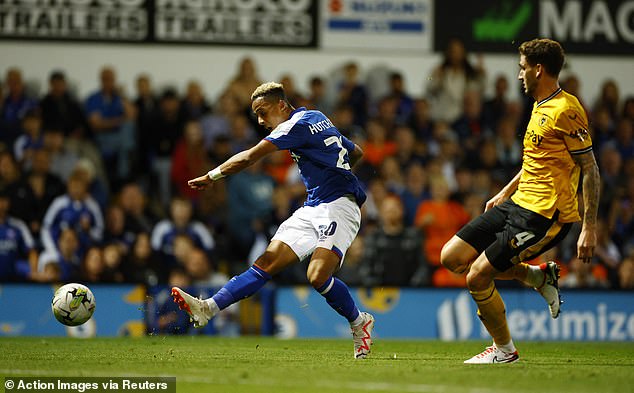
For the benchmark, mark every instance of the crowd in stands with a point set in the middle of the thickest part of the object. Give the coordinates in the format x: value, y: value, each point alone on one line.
x: 93, y: 189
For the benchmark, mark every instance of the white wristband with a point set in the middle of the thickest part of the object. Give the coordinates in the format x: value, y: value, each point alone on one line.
x: 215, y: 174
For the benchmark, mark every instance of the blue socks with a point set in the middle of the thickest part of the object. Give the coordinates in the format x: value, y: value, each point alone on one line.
x: 249, y: 282
x: 240, y: 287
x: 338, y: 297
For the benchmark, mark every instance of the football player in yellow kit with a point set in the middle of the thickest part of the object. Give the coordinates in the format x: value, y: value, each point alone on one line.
x: 535, y: 210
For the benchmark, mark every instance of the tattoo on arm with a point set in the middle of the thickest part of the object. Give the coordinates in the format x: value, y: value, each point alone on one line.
x: 591, y: 186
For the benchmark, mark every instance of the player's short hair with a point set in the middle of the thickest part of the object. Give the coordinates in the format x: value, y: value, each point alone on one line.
x: 546, y: 52
x: 269, y: 91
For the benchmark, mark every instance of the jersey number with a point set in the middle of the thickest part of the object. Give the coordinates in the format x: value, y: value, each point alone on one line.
x: 523, y: 237
x: 342, y: 152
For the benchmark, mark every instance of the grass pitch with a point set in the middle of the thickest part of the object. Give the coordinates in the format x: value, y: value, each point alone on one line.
x: 258, y: 364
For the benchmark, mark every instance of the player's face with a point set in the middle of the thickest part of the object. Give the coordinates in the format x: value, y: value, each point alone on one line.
x: 528, y: 76
x: 270, y: 114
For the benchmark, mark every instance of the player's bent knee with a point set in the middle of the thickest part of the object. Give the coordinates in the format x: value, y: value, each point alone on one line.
x: 317, y: 277
x: 453, y: 259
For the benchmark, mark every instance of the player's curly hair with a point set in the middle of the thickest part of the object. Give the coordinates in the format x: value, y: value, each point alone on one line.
x: 546, y: 52
x: 269, y: 90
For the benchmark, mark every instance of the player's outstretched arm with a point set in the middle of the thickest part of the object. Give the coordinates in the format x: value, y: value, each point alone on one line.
x: 591, y: 188
x: 505, y: 193
x: 235, y: 164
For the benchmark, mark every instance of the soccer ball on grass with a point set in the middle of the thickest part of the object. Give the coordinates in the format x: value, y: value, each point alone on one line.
x: 73, y: 304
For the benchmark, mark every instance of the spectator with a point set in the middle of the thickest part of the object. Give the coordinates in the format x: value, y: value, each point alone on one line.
x: 9, y: 171
x: 92, y: 268
x: 64, y: 255
x: 16, y: 104
x: 63, y: 160
x: 30, y: 139
x: 249, y: 195
x: 451, y: 80
x: 115, y: 230
x: 508, y: 147
x: 35, y: 192
x: 189, y: 159
x: 201, y: 270
x: 18, y: 256
x: 133, y: 201
x: 495, y: 108
x: 415, y: 191
x: 386, y: 114
x: 146, y: 105
x: 377, y: 146
x: 180, y: 223
x: 439, y: 218
x: 112, y: 260
x: 609, y: 99
x: 621, y: 222
x: 244, y: 83
x: 294, y: 97
x: 470, y: 125
x: 420, y: 120
x: 612, y: 177
x: 194, y: 105
x: 166, y: 130
x: 352, y: 93
x: 624, y: 138
x: 60, y: 110
x: 404, y: 103
x: 111, y: 118
x: 142, y: 264
x: 393, y: 252
x: 343, y: 118
x: 318, y: 97
x: 584, y: 275
x: 607, y: 253
x: 391, y: 173
x: 76, y: 210
x: 408, y: 151
x: 218, y: 123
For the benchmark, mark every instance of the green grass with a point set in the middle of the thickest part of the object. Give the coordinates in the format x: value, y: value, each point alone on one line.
x: 257, y: 364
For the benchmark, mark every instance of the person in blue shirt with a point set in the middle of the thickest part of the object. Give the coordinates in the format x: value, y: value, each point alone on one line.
x: 111, y: 118
x: 18, y: 256
x: 321, y: 230
x: 76, y: 210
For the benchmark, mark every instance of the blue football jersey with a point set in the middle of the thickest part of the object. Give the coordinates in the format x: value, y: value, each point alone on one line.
x: 321, y: 153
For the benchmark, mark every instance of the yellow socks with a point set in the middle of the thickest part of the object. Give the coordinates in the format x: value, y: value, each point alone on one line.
x: 493, y: 314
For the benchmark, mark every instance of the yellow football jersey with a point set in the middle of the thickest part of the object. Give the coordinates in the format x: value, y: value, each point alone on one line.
x: 558, y: 129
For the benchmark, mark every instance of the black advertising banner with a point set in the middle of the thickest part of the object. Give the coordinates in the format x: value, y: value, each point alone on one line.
x: 220, y: 22
x: 582, y: 26
x: 114, y: 20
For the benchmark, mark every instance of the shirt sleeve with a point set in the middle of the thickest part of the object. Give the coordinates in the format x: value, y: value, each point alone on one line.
x: 573, y: 126
x: 287, y: 136
x: 347, y: 144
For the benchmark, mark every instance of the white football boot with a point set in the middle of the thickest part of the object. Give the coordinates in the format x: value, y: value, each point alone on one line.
x: 362, y: 336
x: 550, y: 289
x: 197, y: 309
x: 493, y: 355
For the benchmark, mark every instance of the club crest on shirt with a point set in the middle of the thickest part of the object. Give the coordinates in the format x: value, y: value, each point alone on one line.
x: 543, y: 120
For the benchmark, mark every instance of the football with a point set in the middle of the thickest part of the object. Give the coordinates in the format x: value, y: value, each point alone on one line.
x: 73, y: 304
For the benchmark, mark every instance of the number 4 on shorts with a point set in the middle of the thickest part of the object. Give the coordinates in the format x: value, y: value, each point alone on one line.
x: 522, y: 238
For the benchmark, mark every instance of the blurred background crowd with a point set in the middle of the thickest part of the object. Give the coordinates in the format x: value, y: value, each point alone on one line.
x: 94, y: 189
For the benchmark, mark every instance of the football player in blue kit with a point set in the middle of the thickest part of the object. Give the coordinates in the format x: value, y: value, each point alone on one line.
x: 322, y: 229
